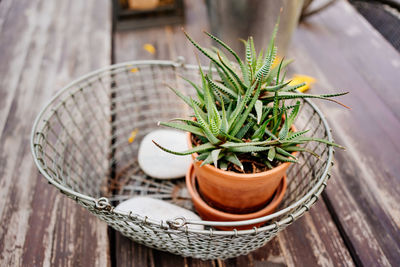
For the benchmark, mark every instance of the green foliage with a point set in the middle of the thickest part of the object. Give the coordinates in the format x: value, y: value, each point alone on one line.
x: 243, y: 112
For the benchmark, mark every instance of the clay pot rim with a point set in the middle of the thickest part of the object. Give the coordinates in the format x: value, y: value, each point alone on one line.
x: 236, y: 175
x: 190, y: 176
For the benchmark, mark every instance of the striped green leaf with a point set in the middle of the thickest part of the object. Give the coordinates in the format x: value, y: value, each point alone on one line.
x: 197, y: 149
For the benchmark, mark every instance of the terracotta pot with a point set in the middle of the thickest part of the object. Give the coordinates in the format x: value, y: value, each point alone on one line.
x: 236, y: 192
x: 209, y: 213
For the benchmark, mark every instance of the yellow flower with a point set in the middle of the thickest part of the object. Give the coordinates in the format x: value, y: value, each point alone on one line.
x: 276, y: 62
x: 133, y: 135
x: 297, y: 79
x: 149, y: 48
x: 134, y: 70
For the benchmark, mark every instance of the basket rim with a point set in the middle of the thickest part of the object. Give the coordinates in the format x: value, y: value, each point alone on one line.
x: 179, y: 222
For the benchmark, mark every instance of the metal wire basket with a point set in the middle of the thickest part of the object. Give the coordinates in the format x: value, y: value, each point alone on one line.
x: 80, y: 144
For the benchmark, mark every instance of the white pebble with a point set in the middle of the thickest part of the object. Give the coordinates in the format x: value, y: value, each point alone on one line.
x: 159, y: 164
x: 157, y: 209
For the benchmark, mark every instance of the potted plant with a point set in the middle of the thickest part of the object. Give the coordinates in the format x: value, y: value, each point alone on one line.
x: 241, y: 134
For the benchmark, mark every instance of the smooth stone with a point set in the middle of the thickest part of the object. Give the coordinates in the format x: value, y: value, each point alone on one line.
x: 159, y: 164
x: 157, y: 209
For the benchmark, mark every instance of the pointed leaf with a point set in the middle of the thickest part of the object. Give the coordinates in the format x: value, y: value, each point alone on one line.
x: 234, y: 159
x: 208, y: 160
x: 296, y: 134
x: 197, y: 149
x: 274, y: 71
x: 242, y: 104
x: 214, y: 127
x: 253, y: 53
x: 258, y: 134
x: 258, y: 107
x: 223, y: 165
x: 248, y: 52
x: 230, y: 50
x: 243, y: 117
x: 270, y: 134
x: 285, y: 153
x: 229, y: 137
x: 233, y: 73
x: 205, y: 127
x: 200, y: 117
x: 319, y: 140
x: 285, y: 128
x: 200, y: 94
x: 275, y: 108
x: 279, y: 70
x: 301, y: 149
x: 224, y: 120
x: 203, y: 156
x: 187, y: 121
x: 215, y: 155
x: 293, y: 87
x: 279, y: 157
x: 247, y: 149
x: 223, y: 89
x: 242, y: 132
x: 278, y: 122
x: 298, y: 95
x: 266, y: 162
x: 260, y: 60
x: 275, y: 88
x: 229, y: 110
x: 265, y: 69
x: 271, y: 154
x: 293, y: 114
x: 226, y: 81
x: 258, y: 143
x: 208, y: 54
x: 184, y: 127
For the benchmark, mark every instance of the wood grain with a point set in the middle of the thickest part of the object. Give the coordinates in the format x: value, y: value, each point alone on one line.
x: 312, y: 240
x: 348, y: 54
x: 169, y: 43
x: 44, y: 45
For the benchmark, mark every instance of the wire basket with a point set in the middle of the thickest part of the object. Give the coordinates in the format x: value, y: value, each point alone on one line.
x: 80, y: 144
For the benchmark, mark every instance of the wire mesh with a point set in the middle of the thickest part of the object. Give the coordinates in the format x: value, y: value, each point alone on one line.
x: 80, y: 144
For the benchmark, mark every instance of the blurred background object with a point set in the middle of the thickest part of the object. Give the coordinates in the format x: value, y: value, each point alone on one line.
x: 384, y: 15
x: 311, y: 7
x: 142, y: 4
x: 135, y: 14
x: 231, y: 20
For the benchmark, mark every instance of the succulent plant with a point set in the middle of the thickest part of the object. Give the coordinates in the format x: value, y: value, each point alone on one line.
x: 242, y: 113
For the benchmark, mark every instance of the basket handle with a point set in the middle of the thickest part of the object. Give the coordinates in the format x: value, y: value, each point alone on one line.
x: 177, y: 222
x: 102, y: 204
x: 179, y: 61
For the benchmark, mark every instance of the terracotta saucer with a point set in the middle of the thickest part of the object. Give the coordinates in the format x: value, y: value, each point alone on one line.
x: 209, y: 213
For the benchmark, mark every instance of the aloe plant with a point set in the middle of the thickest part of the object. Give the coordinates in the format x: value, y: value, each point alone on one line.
x: 243, y: 111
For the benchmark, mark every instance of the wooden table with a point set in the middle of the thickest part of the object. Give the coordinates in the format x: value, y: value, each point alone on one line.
x: 46, y: 44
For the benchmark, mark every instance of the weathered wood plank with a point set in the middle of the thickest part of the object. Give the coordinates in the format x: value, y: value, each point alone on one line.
x: 315, y: 235
x: 313, y: 240
x: 347, y: 53
x: 169, y: 43
x: 43, y: 46
x: 269, y: 255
